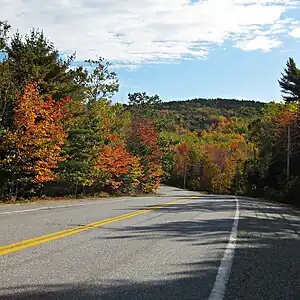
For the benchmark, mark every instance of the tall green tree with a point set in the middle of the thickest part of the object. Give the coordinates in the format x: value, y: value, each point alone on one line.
x: 93, y: 120
x: 290, y: 82
x: 101, y: 83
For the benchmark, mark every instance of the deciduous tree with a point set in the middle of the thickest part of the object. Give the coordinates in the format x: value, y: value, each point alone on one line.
x: 31, y: 150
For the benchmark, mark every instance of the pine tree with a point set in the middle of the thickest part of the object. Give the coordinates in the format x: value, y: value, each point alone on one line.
x: 34, y: 59
x: 290, y: 82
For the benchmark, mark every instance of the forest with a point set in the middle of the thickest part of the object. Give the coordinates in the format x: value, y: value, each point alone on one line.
x: 61, y: 135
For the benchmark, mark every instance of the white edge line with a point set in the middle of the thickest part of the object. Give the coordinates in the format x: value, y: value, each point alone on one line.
x: 55, y: 207
x: 40, y: 208
x: 221, y: 281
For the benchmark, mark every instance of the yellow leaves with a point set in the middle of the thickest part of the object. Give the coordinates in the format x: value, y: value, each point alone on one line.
x: 135, y: 171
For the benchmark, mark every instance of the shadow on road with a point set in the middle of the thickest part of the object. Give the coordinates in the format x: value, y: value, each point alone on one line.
x: 266, y: 263
x: 208, y: 204
x: 193, y: 284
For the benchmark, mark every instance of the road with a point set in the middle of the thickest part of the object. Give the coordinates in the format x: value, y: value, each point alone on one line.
x: 180, y: 245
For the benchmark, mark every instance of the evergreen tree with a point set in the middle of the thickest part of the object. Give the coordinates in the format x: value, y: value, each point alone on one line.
x: 290, y: 82
x: 34, y: 59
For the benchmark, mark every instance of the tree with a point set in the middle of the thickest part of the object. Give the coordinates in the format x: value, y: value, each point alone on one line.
x: 4, y: 29
x: 7, y: 86
x: 31, y: 150
x: 94, y: 117
x: 269, y: 169
x: 116, y: 164
x: 87, y: 132
x: 143, y: 99
x: 290, y: 82
x: 142, y: 141
x: 34, y: 59
x: 144, y: 106
x: 101, y: 83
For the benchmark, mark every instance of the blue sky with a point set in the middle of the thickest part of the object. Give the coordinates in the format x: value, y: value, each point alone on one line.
x: 178, y: 49
x: 229, y: 73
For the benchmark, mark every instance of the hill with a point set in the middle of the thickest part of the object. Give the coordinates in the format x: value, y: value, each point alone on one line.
x: 197, y: 114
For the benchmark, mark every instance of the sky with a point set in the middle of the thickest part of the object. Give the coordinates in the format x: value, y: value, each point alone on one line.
x: 178, y: 49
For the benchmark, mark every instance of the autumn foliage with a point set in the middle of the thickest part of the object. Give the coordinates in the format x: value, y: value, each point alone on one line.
x: 32, y: 148
x: 116, y: 164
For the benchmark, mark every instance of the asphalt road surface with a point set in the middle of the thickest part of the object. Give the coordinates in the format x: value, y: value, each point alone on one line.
x: 180, y: 245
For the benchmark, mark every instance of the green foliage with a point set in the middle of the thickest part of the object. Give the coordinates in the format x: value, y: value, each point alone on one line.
x: 199, y: 114
x: 87, y: 133
x: 100, y: 83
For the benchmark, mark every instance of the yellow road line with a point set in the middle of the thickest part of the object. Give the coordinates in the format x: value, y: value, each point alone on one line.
x: 15, y: 247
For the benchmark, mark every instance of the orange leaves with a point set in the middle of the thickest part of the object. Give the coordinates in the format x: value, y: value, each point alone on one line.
x: 114, y: 159
x: 280, y: 120
x: 33, y: 146
x: 115, y: 163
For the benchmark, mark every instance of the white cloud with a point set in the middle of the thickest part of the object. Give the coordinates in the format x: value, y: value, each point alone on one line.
x: 262, y: 43
x: 152, y: 31
x: 295, y: 32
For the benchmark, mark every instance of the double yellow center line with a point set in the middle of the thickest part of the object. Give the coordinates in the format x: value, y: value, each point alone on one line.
x: 15, y: 247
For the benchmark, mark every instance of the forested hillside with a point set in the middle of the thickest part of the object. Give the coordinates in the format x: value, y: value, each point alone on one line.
x: 61, y: 134
x: 197, y: 114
